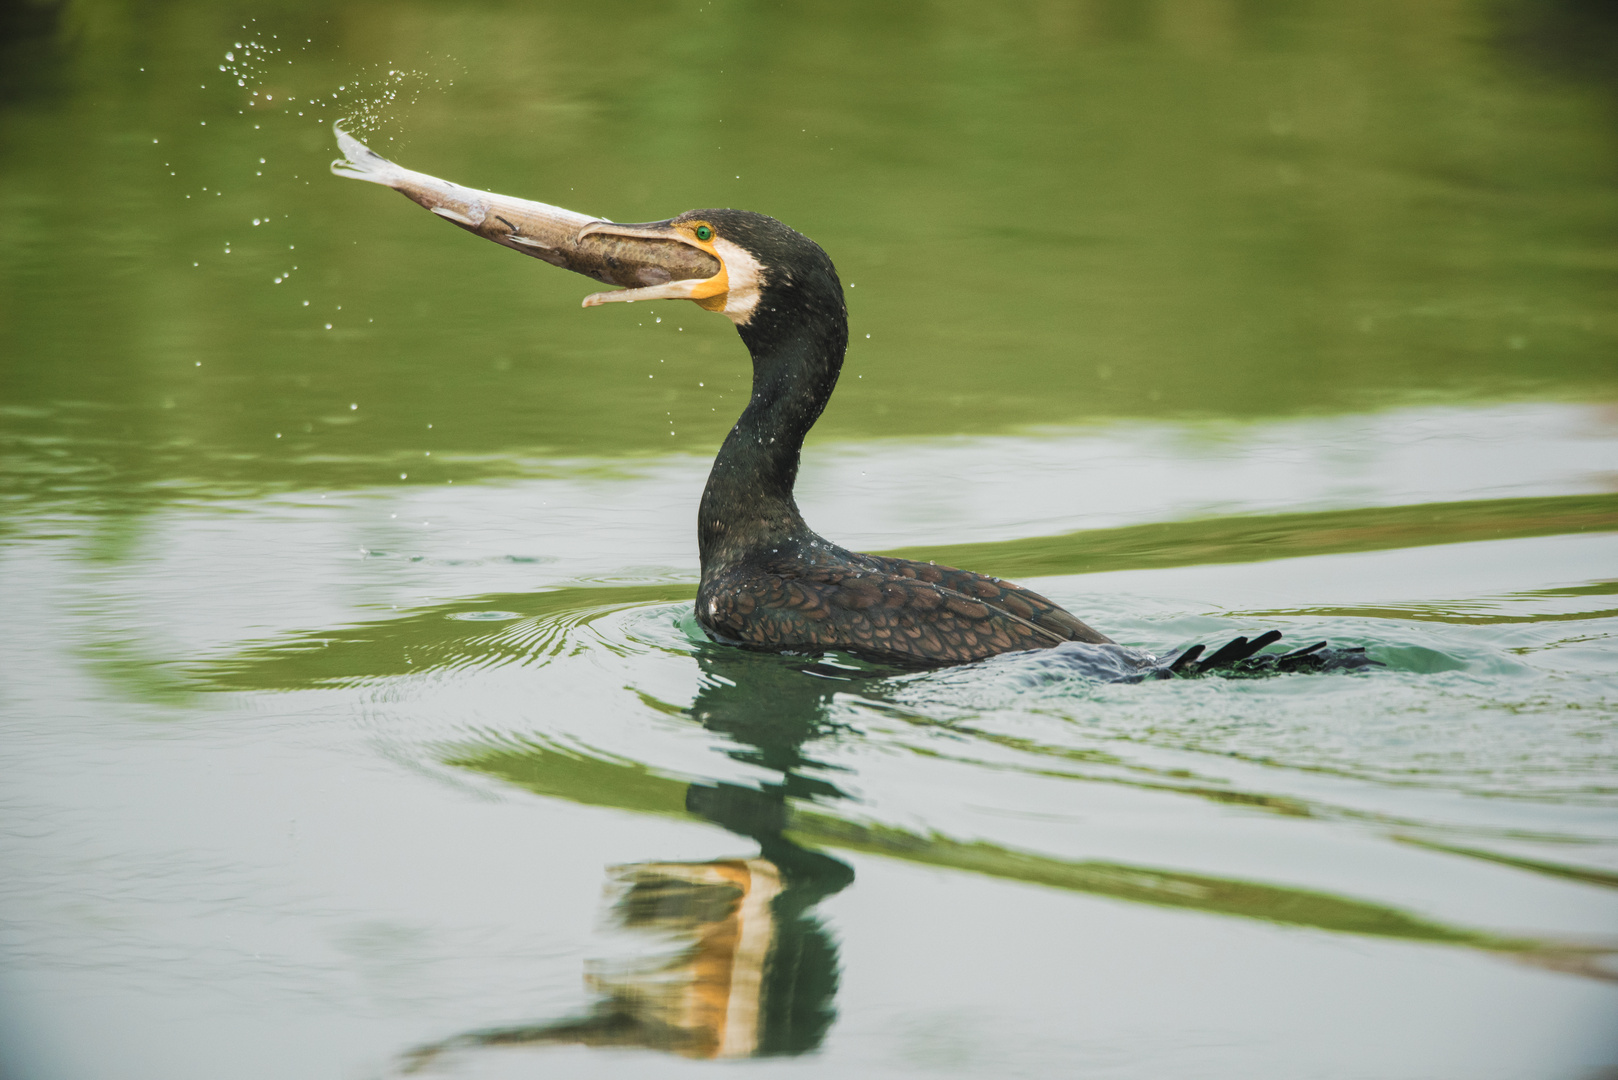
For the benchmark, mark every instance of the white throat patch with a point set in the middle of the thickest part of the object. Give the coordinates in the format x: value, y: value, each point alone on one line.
x: 745, y: 277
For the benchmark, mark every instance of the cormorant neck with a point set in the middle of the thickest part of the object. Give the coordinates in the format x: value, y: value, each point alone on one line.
x: 797, y: 342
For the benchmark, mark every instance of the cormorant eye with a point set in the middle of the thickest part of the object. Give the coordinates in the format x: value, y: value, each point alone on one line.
x: 704, y: 233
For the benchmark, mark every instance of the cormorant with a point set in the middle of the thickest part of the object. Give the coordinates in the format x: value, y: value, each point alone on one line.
x: 769, y: 581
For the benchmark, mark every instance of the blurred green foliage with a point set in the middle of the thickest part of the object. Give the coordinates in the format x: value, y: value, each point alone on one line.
x: 1048, y: 212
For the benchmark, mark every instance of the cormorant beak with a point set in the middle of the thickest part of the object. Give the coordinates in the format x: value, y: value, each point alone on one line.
x: 710, y: 293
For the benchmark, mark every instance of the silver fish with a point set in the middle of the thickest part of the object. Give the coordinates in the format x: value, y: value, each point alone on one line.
x: 549, y: 233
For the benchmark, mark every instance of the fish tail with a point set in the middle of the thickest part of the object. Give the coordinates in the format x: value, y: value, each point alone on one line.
x: 360, y: 162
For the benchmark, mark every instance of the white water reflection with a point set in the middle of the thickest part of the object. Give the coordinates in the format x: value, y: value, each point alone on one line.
x: 960, y: 490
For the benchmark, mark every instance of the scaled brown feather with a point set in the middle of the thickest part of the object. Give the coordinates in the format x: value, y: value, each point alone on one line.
x: 886, y: 609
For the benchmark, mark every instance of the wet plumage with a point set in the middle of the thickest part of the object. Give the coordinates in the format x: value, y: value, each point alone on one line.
x: 886, y: 609
x: 768, y: 580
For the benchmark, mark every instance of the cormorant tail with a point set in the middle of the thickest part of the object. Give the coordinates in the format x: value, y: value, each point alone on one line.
x: 1241, y: 656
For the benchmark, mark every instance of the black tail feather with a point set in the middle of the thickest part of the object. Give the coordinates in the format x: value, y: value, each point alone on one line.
x: 1266, y: 639
x: 1305, y: 651
x: 1186, y: 659
x: 1229, y: 653
x: 1241, y: 657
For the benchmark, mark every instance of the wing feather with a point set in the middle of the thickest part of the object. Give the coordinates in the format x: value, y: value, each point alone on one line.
x: 885, y: 614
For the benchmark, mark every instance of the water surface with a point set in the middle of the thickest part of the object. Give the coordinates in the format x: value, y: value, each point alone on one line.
x: 356, y: 720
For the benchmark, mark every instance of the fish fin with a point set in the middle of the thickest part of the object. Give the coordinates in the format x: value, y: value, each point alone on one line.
x: 452, y: 215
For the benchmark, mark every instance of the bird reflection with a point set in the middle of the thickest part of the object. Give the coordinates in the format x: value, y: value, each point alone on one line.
x: 733, y: 962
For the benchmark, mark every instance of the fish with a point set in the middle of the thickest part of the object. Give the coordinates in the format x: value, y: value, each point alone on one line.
x: 548, y: 233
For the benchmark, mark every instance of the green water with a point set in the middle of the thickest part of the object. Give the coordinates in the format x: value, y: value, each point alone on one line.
x: 346, y: 563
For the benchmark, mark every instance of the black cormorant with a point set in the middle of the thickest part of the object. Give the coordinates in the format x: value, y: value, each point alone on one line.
x: 769, y: 581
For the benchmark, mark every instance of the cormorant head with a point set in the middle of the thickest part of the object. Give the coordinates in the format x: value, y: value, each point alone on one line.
x: 769, y: 275
x: 772, y: 282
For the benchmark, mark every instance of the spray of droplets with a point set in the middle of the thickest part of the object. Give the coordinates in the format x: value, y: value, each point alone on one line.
x: 365, y: 101
x: 247, y: 62
x: 369, y: 101
x: 269, y: 85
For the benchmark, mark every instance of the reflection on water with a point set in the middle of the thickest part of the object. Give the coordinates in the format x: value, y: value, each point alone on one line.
x: 1456, y: 804
x: 771, y: 707
x: 736, y: 964
x: 743, y: 968
x: 749, y: 974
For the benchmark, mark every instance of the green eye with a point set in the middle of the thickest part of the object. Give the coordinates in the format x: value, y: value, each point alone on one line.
x: 704, y: 233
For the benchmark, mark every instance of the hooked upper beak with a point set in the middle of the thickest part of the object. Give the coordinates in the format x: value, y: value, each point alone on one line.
x: 710, y: 292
